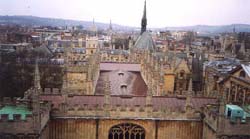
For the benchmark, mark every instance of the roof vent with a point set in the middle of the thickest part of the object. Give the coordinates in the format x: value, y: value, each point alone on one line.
x: 123, y: 86
x: 121, y: 73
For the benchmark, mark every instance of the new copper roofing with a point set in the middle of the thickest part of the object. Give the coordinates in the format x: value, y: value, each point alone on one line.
x: 11, y: 111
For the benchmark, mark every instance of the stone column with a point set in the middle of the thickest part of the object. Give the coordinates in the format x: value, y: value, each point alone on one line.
x: 107, y: 96
x: 149, y: 103
x: 236, y: 92
x: 244, y: 95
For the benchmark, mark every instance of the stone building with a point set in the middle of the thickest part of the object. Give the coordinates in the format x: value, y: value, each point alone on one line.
x: 216, y: 71
x: 236, y: 85
x: 151, y: 97
x: 230, y: 119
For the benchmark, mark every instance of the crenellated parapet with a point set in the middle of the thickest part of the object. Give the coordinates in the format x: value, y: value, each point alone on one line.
x: 15, y: 118
x: 18, y: 114
x: 125, y: 107
x: 121, y: 112
x: 15, y: 115
x: 52, y: 91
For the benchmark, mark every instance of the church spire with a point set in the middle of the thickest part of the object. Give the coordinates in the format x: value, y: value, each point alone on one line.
x: 144, y: 19
x: 93, y: 29
x: 110, y: 25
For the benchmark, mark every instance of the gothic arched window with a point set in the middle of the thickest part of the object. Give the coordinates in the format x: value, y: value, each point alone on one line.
x: 182, y: 73
x: 126, y: 131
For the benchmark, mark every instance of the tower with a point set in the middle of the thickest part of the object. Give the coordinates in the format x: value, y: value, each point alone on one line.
x: 110, y: 25
x: 234, y: 30
x: 144, y: 19
x: 93, y: 29
x: 92, y: 40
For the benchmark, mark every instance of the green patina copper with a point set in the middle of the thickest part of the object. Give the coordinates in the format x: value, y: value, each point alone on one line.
x: 15, y: 110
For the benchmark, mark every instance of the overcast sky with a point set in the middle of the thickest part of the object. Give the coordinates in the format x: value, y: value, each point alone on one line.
x: 160, y: 13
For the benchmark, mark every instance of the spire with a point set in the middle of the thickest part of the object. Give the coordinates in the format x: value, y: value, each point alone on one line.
x: 93, y: 29
x: 234, y: 31
x: 37, y: 76
x: 144, y: 19
x: 110, y: 25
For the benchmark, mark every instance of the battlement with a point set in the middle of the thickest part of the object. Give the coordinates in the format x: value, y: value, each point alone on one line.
x: 21, y: 117
x: 51, y: 90
x: 15, y: 112
x: 21, y: 122
x: 15, y: 117
x: 94, y: 106
x: 126, y: 111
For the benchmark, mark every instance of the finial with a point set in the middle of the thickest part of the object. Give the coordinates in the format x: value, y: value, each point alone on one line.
x: 190, y: 86
x: 37, y: 76
x: 110, y: 25
x: 107, y: 91
x: 149, y: 97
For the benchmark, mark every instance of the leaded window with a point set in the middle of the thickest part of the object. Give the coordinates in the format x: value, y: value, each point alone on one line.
x: 126, y: 131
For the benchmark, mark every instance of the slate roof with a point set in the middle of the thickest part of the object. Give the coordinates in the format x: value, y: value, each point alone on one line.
x: 145, y: 42
x: 246, y: 68
x: 224, y: 66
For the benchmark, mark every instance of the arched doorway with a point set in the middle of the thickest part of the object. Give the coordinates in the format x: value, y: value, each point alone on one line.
x: 126, y: 131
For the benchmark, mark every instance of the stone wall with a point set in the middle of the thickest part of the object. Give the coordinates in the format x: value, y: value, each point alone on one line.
x: 99, y: 128
x: 72, y: 129
x: 179, y: 130
x: 208, y: 132
x: 105, y: 125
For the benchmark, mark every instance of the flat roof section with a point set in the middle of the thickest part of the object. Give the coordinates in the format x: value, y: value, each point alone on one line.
x: 120, y: 66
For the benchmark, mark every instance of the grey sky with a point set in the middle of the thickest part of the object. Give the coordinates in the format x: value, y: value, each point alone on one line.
x: 160, y: 13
